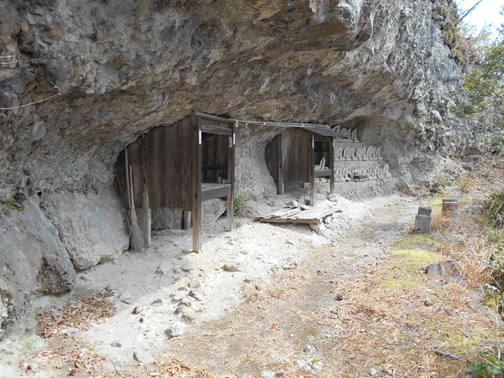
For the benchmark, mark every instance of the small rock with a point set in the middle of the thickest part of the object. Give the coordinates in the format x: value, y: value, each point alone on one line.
x: 115, y: 344
x: 160, y: 271
x: 333, y: 197
x: 143, y: 357
x: 185, y: 302
x: 449, y: 269
x: 70, y: 331
x: 289, y: 266
x: 175, y: 330
x: 126, y: 298
x: 437, y: 117
x: 230, y: 267
x: 428, y: 302
x: 318, y: 228
x: 314, y: 366
x: 157, y: 302
x: 86, y: 278
x: 179, y: 294
x: 467, y: 167
x: 137, y: 310
x: 196, y: 295
x: 268, y: 374
x: 317, y: 366
x: 339, y: 297
x: 186, y: 314
x: 194, y: 283
x: 373, y: 372
x: 308, y: 349
x: 305, y: 366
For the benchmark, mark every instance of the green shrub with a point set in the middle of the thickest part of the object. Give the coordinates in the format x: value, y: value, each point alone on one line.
x: 239, y: 201
x: 492, y: 366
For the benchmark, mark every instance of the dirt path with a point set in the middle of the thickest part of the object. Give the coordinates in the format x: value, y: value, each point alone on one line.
x: 281, y: 330
x: 280, y: 300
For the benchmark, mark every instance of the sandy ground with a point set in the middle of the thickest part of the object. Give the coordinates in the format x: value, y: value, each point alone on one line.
x: 168, y: 290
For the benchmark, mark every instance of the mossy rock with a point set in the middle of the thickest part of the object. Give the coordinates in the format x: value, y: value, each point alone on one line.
x: 11, y: 204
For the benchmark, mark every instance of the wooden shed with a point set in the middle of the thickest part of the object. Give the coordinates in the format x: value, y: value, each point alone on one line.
x: 295, y: 155
x: 180, y: 166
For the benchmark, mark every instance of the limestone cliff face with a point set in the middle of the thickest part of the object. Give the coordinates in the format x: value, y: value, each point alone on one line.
x: 80, y: 80
x: 102, y: 72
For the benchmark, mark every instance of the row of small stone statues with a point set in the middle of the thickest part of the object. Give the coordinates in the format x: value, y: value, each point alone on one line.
x: 348, y: 134
x: 362, y: 153
x: 370, y: 173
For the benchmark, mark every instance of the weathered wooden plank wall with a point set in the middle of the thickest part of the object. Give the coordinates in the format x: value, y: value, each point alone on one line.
x: 296, y: 152
x: 168, y: 169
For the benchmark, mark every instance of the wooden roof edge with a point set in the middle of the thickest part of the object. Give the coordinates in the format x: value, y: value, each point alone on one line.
x: 213, y: 117
x: 315, y: 128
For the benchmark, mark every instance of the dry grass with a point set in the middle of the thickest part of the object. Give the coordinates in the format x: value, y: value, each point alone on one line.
x: 67, y: 353
x: 394, y: 320
x: 170, y: 368
x: 466, y: 185
x: 391, y: 319
x: 81, y: 314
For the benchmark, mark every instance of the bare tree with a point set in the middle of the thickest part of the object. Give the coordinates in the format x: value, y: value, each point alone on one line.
x: 469, y: 11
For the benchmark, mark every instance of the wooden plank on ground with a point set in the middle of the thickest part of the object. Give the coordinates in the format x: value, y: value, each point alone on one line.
x: 283, y: 213
x: 314, y: 213
x: 297, y: 215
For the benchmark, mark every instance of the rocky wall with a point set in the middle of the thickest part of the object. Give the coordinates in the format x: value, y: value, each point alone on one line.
x: 45, y: 240
x: 80, y: 80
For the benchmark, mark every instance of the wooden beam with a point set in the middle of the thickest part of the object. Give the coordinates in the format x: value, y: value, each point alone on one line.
x: 196, y: 195
x: 147, y: 221
x: 312, y: 171
x: 216, y: 129
x: 231, y: 179
x: 281, y: 183
x: 331, y: 160
x: 212, y: 191
x: 296, y: 215
x: 186, y: 220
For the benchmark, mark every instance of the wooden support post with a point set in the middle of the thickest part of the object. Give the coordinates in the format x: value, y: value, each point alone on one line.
x: 281, y: 183
x: 231, y: 179
x: 196, y: 195
x: 186, y: 220
x: 312, y: 171
x: 147, y: 218
x: 331, y: 162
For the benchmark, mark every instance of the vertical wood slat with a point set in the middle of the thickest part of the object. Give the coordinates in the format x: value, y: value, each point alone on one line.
x: 166, y: 164
x: 272, y: 159
x: 196, y: 185
x: 331, y: 165
x: 154, y: 173
x: 145, y: 191
x: 280, y: 159
x: 231, y: 171
x: 135, y: 162
x: 312, y: 170
x: 186, y: 220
